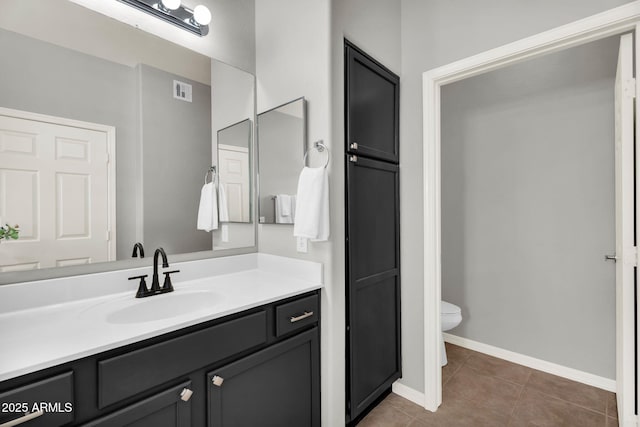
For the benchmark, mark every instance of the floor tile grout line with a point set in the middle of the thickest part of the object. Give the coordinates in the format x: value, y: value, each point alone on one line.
x: 595, y: 411
x: 501, y: 378
x: 526, y: 383
x: 513, y: 410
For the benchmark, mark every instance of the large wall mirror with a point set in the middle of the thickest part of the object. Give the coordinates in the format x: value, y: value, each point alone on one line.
x: 105, y: 141
x: 281, y: 143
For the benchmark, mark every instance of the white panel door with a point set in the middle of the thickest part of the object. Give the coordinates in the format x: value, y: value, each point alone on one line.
x: 234, y: 175
x: 54, y: 185
x: 625, y: 250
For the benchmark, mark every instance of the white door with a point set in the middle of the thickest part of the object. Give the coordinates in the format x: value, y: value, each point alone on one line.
x: 234, y: 175
x: 625, y: 250
x: 54, y: 185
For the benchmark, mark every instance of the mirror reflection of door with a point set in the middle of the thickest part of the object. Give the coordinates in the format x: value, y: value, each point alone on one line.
x: 55, y: 176
x: 235, y: 172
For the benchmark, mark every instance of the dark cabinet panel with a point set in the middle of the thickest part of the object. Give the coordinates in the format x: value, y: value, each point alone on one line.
x: 373, y: 217
x: 373, y: 294
x: 375, y: 329
x: 275, y: 387
x: 131, y: 373
x: 372, y: 111
x: 372, y: 231
x: 296, y: 315
x: 56, y: 392
x: 166, y: 409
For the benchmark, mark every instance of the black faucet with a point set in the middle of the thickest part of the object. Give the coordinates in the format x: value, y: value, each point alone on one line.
x: 155, y: 283
x: 138, y: 248
x: 143, y: 291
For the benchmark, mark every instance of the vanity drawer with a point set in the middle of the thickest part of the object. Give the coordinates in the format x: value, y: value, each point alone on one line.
x: 296, y: 314
x: 124, y: 376
x: 55, y: 394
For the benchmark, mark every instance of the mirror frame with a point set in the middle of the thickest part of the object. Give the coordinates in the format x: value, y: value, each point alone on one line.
x: 257, y: 141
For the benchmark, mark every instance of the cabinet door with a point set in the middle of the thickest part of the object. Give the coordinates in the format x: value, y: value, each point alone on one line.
x: 45, y: 403
x: 166, y: 409
x: 275, y: 387
x: 373, y: 282
x: 372, y: 98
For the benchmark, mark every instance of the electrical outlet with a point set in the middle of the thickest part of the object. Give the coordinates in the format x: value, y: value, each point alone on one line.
x: 302, y: 244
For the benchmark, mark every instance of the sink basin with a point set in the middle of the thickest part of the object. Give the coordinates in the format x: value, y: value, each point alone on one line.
x: 159, y: 307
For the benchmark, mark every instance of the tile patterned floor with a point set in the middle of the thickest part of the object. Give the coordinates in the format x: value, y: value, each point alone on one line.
x: 480, y: 390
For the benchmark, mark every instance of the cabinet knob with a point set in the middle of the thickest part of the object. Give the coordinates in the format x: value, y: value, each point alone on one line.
x: 353, y: 158
x: 186, y: 394
x: 353, y: 146
x: 217, y: 381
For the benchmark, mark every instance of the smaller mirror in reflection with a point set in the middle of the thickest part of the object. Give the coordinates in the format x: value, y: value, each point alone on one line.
x: 281, y: 142
x: 234, y: 163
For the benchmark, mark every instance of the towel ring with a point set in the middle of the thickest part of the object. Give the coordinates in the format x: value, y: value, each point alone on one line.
x: 211, y: 171
x: 320, y: 147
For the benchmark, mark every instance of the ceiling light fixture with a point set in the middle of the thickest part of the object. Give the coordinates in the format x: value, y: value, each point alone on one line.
x: 195, y: 21
x: 171, y: 4
x: 201, y: 15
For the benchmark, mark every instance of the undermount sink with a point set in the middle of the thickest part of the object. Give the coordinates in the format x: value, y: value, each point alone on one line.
x: 157, y: 307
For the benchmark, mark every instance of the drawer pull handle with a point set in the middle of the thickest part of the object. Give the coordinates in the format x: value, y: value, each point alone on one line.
x: 216, y: 380
x: 302, y: 316
x: 186, y: 394
x: 23, y: 419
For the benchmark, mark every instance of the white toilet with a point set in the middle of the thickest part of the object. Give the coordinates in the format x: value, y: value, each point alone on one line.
x: 450, y: 317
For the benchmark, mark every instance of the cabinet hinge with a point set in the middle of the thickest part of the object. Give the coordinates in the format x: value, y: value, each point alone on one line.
x: 108, y: 235
x: 635, y: 256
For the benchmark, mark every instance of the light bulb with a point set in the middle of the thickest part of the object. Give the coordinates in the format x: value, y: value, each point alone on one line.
x: 171, y: 4
x: 202, y: 15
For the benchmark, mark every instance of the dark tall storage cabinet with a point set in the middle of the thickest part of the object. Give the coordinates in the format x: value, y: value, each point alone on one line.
x: 372, y: 230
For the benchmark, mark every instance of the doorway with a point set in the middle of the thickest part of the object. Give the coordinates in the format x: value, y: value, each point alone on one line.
x: 617, y: 21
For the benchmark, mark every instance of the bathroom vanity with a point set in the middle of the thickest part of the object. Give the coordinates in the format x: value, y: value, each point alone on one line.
x: 251, y: 358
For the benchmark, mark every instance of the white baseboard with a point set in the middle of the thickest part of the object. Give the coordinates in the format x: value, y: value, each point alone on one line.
x: 532, y: 362
x: 408, y: 393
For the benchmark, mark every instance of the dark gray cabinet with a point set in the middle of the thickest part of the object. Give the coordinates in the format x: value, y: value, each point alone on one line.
x: 373, y: 359
x: 24, y: 402
x: 165, y: 409
x: 269, y: 356
x: 371, y: 106
x: 270, y: 388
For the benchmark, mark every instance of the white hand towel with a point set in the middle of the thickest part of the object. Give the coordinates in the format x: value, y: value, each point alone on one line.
x: 208, y: 210
x: 222, y: 204
x: 312, y: 206
x: 283, y: 209
x: 293, y: 208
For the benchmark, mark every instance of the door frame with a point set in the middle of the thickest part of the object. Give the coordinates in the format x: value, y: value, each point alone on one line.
x: 615, y: 21
x: 110, y: 132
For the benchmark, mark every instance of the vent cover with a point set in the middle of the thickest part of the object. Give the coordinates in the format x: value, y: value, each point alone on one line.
x: 182, y: 91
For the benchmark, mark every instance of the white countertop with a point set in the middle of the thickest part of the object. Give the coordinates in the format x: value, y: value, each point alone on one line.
x: 43, y: 336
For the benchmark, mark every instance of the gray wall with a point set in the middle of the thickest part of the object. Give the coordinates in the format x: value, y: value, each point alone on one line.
x: 47, y: 79
x: 280, y: 152
x: 528, y: 207
x: 435, y: 33
x: 300, y: 53
x: 176, y: 136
